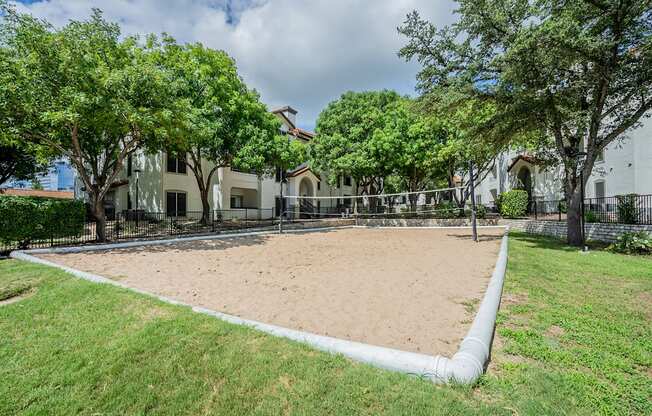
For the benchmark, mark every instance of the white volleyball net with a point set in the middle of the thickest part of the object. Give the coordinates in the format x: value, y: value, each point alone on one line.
x: 435, y: 203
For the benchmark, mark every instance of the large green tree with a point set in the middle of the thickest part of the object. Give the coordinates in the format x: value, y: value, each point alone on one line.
x: 409, y: 144
x: 84, y: 93
x: 577, y: 72
x: 221, y: 122
x: 345, y: 143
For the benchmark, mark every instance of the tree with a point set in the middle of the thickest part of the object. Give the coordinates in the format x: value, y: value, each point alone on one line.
x: 410, y: 143
x: 464, y: 143
x: 82, y: 92
x: 579, y: 73
x: 221, y: 120
x: 19, y: 162
x: 344, y: 143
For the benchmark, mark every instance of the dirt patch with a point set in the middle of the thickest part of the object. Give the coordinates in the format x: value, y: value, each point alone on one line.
x: 17, y: 298
x: 555, y: 332
x: 400, y: 288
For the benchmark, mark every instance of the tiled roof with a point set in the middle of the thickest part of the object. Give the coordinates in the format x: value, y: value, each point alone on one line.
x: 38, y: 193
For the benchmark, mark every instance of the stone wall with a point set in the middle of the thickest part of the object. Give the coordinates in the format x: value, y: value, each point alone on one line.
x: 594, y: 231
x: 424, y: 222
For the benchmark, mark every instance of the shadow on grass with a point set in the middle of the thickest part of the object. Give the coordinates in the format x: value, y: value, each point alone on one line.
x: 553, y: 243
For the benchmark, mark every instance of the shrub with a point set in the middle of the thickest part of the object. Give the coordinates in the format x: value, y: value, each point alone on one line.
x: 591, y: 216
x: 447, y: 209
x: 513, y: 203
x: 639, y: 242
x: 25, y: 219
x: 480, y: 212
x: 627, y: 212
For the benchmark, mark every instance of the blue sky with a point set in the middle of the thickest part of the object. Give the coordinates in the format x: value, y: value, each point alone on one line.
x: 303, y: 53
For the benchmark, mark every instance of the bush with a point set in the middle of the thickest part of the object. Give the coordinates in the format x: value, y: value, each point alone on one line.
x: 480, y: 212
x: 591, y: 216
x: 513, y: 203
x: 25, y: 219
x: 639, y: 242
x: 447, y: 209
x: 627, y: 212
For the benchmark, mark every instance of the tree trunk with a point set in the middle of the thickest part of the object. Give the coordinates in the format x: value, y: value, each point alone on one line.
x: 206, y: 208
x: 97, y: 209
x: 574, y: 216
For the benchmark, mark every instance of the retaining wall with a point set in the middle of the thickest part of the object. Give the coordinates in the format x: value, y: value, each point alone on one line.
x: 424, y: 222
x: 604, y: 232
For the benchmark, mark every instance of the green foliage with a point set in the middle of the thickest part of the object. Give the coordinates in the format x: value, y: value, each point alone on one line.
x: 19, y: 161
x: 447, y: 209
x: 480, y: 212
x: 591, y: 216
x: 84, y: 92
x: 26, y: 219
x: 627, y: 210
x: 565, y: 77
x: 218, y: 118
x: 513, y: 203
x: 639, y: 242
x: 352, y: 136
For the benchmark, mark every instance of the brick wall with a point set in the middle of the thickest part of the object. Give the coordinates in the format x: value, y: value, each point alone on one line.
x: 594, y: 231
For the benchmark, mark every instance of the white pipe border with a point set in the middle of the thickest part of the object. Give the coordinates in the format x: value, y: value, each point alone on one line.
x: 466, y: 366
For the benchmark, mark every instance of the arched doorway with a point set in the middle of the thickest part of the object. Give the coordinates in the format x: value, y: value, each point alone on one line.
x: 525, y: 182
x: 307, y: 192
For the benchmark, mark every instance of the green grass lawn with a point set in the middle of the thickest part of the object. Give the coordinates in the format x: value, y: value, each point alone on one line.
x: 574, y: 337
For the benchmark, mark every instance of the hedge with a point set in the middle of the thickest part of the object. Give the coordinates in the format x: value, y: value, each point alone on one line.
x: 26, y: 219
x: 513, y: 204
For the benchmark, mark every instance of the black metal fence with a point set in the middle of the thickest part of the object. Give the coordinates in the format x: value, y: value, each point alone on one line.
x: 133, y: 224
x: 621, y: 209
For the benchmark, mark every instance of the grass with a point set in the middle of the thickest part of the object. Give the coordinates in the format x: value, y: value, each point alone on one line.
x: 573, y: 337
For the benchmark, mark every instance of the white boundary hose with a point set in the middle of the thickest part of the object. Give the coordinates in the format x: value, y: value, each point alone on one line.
x: 465, y: 367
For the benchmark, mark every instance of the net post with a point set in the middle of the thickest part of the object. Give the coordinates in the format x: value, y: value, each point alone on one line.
x: 474, y: 225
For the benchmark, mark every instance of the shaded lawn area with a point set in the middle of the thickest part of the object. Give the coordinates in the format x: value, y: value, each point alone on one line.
x: 574, y: 337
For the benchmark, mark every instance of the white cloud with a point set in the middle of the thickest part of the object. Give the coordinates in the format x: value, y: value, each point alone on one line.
x: 301, y: 53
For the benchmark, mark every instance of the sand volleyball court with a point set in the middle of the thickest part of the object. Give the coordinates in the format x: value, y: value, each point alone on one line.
x: 410, y: 289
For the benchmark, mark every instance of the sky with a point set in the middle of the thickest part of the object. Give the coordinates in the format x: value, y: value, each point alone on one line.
x: 302, y: 53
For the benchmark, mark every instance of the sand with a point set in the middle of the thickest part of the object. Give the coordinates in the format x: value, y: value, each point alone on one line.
x: 410, y: 289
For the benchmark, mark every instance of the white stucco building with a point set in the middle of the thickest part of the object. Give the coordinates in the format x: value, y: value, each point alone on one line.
x: 159, y: 183
x: 624, y: 168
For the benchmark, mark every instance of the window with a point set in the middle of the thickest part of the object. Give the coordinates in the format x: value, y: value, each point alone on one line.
x: 277, y: 176
x: 176, y: 164
x: 319, y: 185
x: 347, y: 201
x: 175, y: 204
x: 347, y: 181
x: 478, y: 199
x: 600, y: 156
x: 339, y: 183
x: 236, y: 201
x: 130, y: 164
x: 600, y: 189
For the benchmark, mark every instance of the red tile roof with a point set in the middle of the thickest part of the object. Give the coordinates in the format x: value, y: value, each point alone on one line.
x: 39, y: 193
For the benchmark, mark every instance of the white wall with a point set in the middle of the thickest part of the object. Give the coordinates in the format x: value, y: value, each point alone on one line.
x: 626, y: 168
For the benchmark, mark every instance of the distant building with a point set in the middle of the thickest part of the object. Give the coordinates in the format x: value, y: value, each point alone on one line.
x: 59, y: 177
x: 162, y: 183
